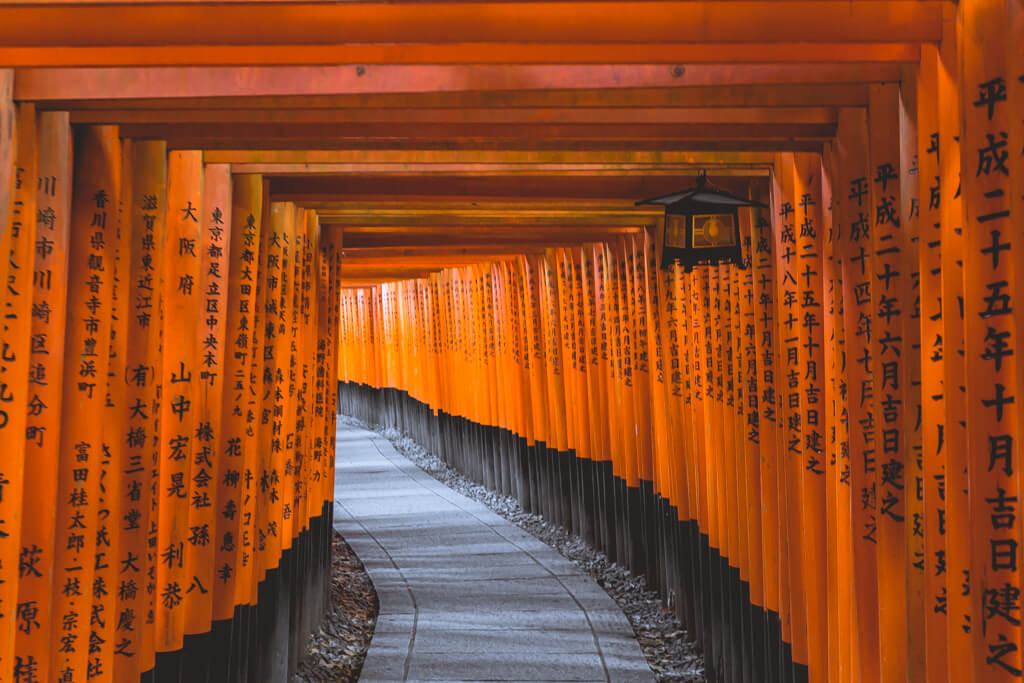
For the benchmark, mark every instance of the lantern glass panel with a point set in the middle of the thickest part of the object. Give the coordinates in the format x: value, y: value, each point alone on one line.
x: 675, y: 231
x: 712, y: 231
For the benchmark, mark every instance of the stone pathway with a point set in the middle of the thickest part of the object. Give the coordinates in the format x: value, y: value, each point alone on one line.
x: 464, y: 594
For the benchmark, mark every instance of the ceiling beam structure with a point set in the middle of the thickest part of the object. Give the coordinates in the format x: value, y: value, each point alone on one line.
x: 438, y: 133
x: 357, y: 24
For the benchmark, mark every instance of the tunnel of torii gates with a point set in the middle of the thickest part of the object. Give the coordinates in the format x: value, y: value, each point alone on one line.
x: 222, y: 224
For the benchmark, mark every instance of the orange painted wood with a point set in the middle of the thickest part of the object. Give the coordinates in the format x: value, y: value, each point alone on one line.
x: 790, y: 371
x: 213, y: 249
x: 838, y: 490
x: 890, y: 306
x: 636, y: 260
x: 989, y: 329
x: 237, y: 445
x: 641, y: 22
x: 855, y: 251
x: 146, y: 215
x: 930, y: 147
x: 102, y: 618
x: 66, y: 83
x: 748, y: 415
x: 468, y: 115
x: 463, y: 53
x: 94, y: 218
x: 811, y: 230
x: 910, y: 164
x: 179, y: 389
x: 17, y: 244
x: 42, y: 427
x: 768, y: 432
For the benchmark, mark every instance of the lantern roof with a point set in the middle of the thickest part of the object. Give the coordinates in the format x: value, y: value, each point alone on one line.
x: 701, y: 198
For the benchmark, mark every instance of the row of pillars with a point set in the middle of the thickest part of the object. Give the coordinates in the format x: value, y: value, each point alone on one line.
x: 167, y: 409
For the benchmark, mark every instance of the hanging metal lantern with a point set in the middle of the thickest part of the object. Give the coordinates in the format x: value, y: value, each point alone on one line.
x: 702, y: 226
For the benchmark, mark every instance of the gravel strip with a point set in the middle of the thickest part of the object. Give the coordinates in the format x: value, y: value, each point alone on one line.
x: 336, y: 651
x: 661, y: 636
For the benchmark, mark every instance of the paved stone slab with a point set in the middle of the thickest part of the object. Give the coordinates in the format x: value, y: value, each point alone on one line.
x: 466, y: 595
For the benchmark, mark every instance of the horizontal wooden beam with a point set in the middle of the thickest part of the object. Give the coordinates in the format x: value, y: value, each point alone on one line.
x: 511, y: 144
x: 462, y: 53
x: 793, y: 95
x: 639, y: 116
x: 510, y: 170
x: 446, y: 219
x: 60, y: 83
x: 386, y: 272
x: 314, y: 190
x: 313, y: 156
x: 362, y: 283
x: 481, y: 251
x: 660, y: 21
x: 465, y: 237
x: 425, y: 263
x: 272, y: 135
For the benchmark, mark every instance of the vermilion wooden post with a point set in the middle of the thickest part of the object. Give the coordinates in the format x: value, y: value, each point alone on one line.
x: 102, y: 621
x: 749, y: 431
x: 855, y: 251
x: 636, y: 260
x: 677, y: 345
x: 49, y: 273
x: 324, y: 420
x: 17, y: 243
x: 889, y: 298
x: 179, y: 381
x: 740, y: 597
x: 333, y: 240
x: 959, y: 605
x: 572, y: 399
x: 278, y: 242
x: 555, y: 406
x: 707, y: 477
x: 253, y: 510
x: 596, y: 379
x: 1014, y: 25
x: 837, y: 498
x: 239, y: 442
x: 810, y: 231
x: 581, y: 372
x: 766, y: 335
x: 305, y: 428
x: 208, y: 489
x: 234, y: 252
x: 535, y: 349
x: 989, y: 329
x: 133, y: 638
x: 724, y: 468
x: 664, y: 457
x: 915, y: 521
x: 933, y: 453
x: 94, y: 216
x: 601, y: 352
x: 790, y: 318
x: 288, y: 325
